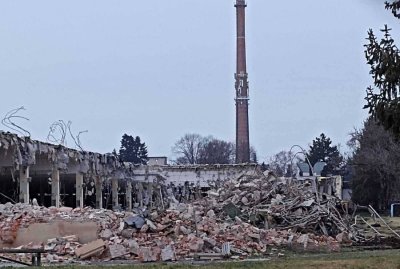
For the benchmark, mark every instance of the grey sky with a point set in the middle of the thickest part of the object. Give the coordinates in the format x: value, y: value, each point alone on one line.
x: 160, y: 69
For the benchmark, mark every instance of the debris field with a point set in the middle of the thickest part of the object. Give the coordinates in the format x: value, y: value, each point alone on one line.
x: 245, y: 217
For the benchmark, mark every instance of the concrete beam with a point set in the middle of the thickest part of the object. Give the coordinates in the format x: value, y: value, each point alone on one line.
x: 24, y: 185
x: 99, y: 190
x: 55, y: 188
x: 201, y: 174
x: 79, y: 190
x: 114, y: 192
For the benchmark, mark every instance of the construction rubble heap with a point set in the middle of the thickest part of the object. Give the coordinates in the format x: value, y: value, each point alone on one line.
x: 246, y: 217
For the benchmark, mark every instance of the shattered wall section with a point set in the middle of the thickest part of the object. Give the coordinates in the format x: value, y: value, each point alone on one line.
x: 60, y: 165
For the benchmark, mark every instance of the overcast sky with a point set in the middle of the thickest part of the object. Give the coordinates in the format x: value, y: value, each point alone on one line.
x: 160, y: 69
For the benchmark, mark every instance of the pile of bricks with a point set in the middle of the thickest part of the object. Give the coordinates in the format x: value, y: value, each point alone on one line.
x: 282, y: 203
x: 245, y: 217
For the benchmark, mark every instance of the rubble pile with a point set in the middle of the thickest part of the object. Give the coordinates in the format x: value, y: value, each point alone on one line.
x: 280, y: 203
x: 16, y: 217
x: 175, y: 234
x: 243, y: 218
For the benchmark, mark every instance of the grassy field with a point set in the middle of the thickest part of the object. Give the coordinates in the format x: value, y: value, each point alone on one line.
x: 348, y: 260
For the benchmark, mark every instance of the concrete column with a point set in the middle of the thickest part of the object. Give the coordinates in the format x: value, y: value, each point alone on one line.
x: 146, y: 173
x: 79, y: 190
x: 140, y: 194
x: 114, y: 192
x: 24, y: 184
x: 99, y: 194
x: 128, y: 195
x: 55, y: 188
x: 150, y: 193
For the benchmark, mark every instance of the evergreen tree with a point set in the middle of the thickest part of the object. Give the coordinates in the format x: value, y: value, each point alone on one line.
x: 383, y: 57
x: 394, y: 7
x: 133, y: 150
x: 322, y: 150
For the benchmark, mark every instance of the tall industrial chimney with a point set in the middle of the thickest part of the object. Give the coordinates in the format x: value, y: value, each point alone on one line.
x: 242, y: 88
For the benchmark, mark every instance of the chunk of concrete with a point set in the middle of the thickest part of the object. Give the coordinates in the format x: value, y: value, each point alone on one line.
x: 135, y: 221
x: 210, y: 241
x: 151, y: 225
x: 148, y: 254
x: 117, y: 251
x: 168, y: 253
x: 91, y: 249
x: 196, y: 244
x: 133, y: 247
x: 106, y: 234
x: 128, y: 233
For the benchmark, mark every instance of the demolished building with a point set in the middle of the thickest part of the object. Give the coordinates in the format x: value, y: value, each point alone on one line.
x: 170, y: 212
x: 54, y: 175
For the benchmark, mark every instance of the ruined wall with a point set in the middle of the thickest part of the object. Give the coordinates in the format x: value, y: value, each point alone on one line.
x: 200, y: 175
x: 35, y: 171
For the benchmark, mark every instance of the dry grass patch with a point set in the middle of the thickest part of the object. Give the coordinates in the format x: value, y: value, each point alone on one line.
x: 389, y: 259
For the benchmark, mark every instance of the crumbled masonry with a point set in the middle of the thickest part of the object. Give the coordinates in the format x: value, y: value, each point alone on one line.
x: 245, y: 217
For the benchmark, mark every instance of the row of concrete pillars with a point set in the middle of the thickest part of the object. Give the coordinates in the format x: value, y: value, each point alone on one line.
x: 55, y: 189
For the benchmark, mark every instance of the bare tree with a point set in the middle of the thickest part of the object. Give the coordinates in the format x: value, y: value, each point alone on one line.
x: 283, y: 163
x: 188, y: 149
x: 216, y: 151
x: 375, y: 164
x: 253, y: 155
x: 197, y: 149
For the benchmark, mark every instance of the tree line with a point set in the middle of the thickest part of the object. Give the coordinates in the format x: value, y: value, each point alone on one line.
x: 372, y: 164
x: 198, y: 149
x: 376, y: 146
x: 190, y: 149
x: 321, y: 149
x: 374, y: 157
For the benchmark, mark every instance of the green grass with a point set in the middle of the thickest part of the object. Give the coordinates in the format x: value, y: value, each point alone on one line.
x: 348, y: 260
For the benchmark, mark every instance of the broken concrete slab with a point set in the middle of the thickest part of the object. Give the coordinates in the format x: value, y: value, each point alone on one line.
x: 91, y: 249
x: 117, y: 251
x: 135, y: 221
